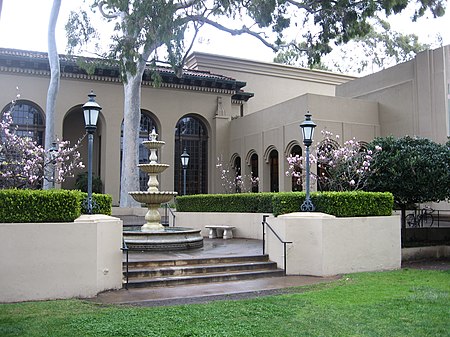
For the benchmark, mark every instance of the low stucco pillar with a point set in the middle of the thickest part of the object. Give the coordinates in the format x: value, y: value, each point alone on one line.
x: 43, y: 261
x: 323, y: 245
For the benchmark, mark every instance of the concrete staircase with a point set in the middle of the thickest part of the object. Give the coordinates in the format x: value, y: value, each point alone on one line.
x: 150, y: 273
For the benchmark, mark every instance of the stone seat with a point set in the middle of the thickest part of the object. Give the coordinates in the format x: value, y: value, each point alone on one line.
x: 217, y: 231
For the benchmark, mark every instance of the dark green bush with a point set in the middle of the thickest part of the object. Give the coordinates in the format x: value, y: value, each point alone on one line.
x: 81, y: 183
x: 235, y: 203
x: 47, y: 206
x: 340, y: 204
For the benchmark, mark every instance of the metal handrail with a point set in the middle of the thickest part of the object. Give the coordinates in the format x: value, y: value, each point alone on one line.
x: 125, y: 249
x: 166, y: 215
x: 264, y: 224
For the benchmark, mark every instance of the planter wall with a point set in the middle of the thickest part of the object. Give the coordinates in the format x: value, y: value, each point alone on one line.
x: 248, y: 225
x: 324, y: 245
x: 60, y: 260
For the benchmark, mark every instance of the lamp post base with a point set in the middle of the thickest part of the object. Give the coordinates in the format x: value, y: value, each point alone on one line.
x: 307, y: 206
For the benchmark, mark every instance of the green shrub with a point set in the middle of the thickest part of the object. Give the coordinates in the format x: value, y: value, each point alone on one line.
x: 234, y: 203
x: 39, y: 206
x: 47, y: 206
x: 101, y: 203
x: 340, y: 204
x: 288, y: 202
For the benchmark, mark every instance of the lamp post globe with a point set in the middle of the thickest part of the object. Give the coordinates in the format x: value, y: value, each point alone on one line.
x: 307, y: 127
x: 91, y: 110
x: 184, y: 164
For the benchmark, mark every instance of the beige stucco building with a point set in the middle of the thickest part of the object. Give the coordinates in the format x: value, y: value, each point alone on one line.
x: 247, y: 113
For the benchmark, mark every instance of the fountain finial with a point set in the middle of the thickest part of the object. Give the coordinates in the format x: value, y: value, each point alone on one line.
x: 153, y: 136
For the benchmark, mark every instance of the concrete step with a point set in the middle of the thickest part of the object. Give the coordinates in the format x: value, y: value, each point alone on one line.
x: 201, y: 269
x: 154, y: 273
x: 141, y: 264
x: 203, y: 278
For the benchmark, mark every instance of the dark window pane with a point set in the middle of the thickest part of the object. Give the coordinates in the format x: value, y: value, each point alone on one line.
x: 29, y: 121
x: 191, y: 134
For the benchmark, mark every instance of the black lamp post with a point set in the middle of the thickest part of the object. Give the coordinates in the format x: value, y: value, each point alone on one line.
x: 184, y: 163
x: 307, y: 127
x: 91, y: 111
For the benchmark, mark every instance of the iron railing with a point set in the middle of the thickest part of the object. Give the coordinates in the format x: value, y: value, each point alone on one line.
x: 264, y: 224
x: 125, y: 249
x: 168, y: 210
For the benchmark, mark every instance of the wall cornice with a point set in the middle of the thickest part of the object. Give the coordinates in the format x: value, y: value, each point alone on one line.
x: 85, y: 77
x: 199, y: 60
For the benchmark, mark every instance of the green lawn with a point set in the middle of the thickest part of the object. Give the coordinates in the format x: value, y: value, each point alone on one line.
x: 398, y: 303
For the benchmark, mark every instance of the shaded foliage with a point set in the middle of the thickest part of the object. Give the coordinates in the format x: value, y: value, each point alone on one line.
x: 414, y: 170
x: 381, y: 47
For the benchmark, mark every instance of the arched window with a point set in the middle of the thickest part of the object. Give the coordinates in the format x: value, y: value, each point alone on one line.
x: 273, y: 163
x: 146, y: 127
x: 297, y: 185
x: 191, y: 134
x: 237, y: 172
x: 29, y: 119
x: 254, y: 167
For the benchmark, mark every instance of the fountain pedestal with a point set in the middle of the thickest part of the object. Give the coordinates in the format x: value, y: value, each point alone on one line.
x: 153, y: 200
x: 153, y: 235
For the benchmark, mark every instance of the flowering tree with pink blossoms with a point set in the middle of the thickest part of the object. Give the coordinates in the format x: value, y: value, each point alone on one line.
x: 233, y: 182
x: 345, y: 168
x: 25, y: 164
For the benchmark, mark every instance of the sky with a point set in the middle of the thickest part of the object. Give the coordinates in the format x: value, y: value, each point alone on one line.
x: 23, y: 25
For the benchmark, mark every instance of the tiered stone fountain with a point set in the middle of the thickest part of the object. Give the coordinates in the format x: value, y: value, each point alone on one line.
x: 153, y: 235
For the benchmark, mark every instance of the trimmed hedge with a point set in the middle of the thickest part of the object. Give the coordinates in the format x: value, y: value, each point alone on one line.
x: 234, y: 203
x: 102, y: 203
x: 340, y: 204
x: 47, y: 206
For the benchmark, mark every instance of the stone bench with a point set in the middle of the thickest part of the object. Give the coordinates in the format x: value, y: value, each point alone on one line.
x: 215, y: 231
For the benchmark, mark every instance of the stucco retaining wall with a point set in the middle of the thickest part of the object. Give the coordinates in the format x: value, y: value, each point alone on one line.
x: 422, y: 253
x: 42, y: 261
x: 248, y: 225
x: 324, y: 245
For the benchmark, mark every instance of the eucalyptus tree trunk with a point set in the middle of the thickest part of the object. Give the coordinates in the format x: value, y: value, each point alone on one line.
x: 129, y: 179
x: 130, y: 152
x: 53, y: 87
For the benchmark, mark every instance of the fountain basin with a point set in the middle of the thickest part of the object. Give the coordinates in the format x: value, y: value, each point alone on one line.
x: 169, y: 238
x: 153, y: 168
x: 148, y: 197
x: 153, y: 144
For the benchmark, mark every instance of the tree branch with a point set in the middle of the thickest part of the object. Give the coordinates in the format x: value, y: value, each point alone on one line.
x: 102, y: 4
x: 241, y: 31
x: 185, y: 4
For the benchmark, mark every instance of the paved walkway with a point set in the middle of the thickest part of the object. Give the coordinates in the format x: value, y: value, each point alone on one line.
x: 201, y: 293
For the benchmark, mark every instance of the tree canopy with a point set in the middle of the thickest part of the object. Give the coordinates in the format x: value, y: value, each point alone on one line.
x: 152, y: 30
x: 414, y: 170
x: 381, y: 47
x: 149, y: 24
